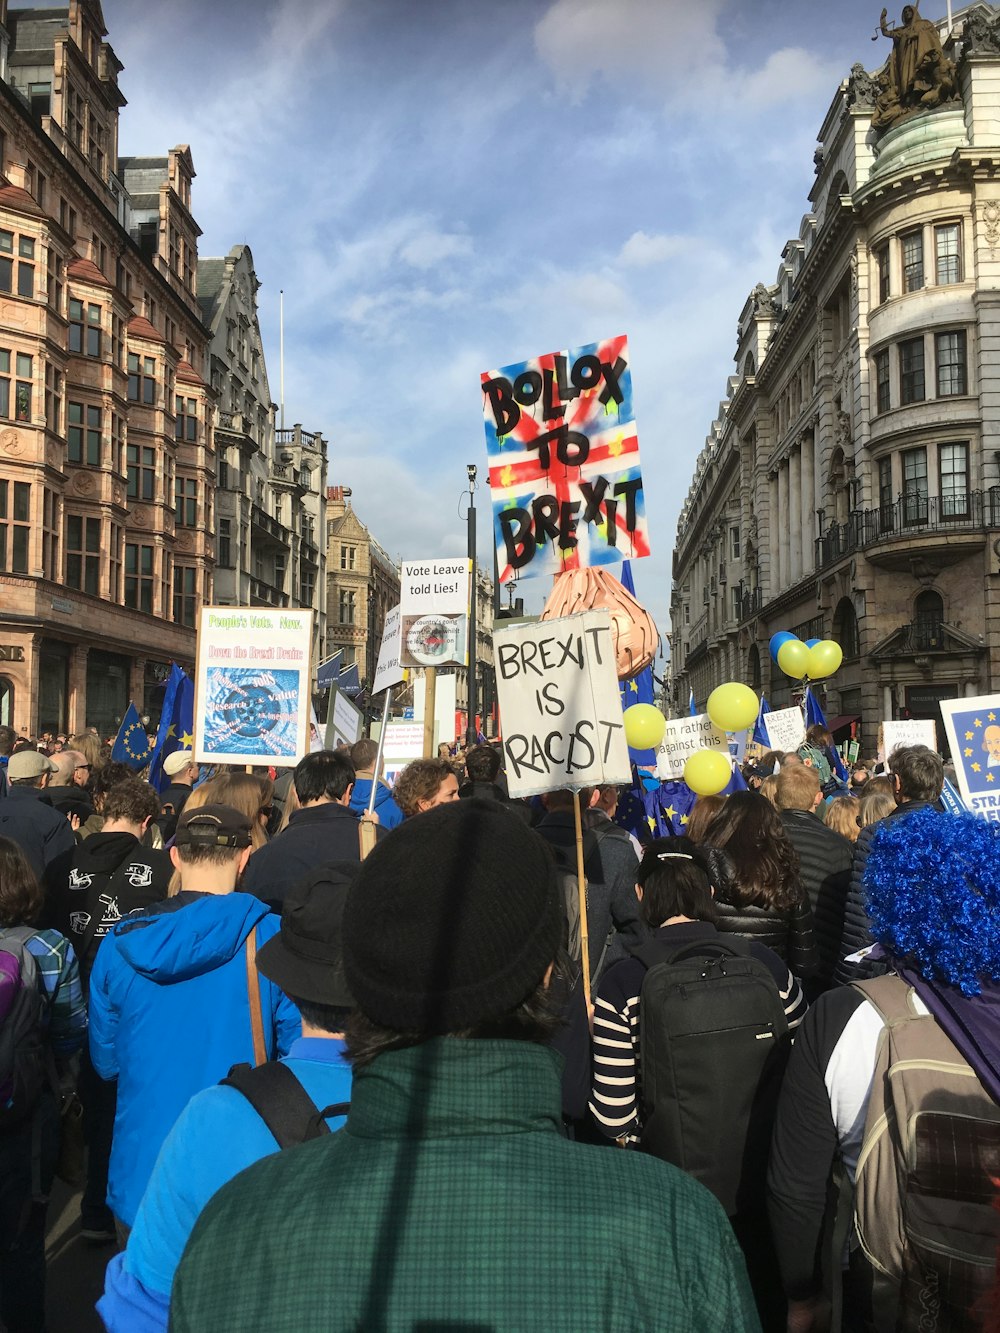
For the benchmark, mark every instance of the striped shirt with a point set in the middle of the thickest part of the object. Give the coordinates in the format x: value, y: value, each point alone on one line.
x: 60, y: 976
x: 615, y: 1102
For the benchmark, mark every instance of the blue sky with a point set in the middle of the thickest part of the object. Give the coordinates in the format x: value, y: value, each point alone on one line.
x: 443, y: 187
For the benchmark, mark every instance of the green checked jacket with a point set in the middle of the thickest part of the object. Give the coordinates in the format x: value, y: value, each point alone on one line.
x: 451, y: 1200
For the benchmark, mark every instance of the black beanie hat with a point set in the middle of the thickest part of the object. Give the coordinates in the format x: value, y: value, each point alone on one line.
x: 453, y: 920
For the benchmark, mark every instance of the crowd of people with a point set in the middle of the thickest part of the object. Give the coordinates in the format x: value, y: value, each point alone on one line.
x: 324, y: 1089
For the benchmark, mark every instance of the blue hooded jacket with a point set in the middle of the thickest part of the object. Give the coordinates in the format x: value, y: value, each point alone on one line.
x: 170, y: 1015
x: 389, y: 814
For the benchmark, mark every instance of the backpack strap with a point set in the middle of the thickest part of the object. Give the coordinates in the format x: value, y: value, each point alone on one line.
x: 253, y: 995
x: 890, y: 996
x: 277, y: 1095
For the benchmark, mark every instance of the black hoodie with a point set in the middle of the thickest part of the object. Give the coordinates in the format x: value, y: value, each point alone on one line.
x: 109, y: 873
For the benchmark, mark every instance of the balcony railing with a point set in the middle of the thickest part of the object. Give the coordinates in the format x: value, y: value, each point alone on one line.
x: 751, y: 603
x: 909, y: 515
x: 265, y: 594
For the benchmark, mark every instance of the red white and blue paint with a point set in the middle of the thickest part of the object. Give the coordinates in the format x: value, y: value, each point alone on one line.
x: 565, y: 480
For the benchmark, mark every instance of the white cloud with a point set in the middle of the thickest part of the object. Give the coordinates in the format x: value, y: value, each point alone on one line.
x: 641, y: 250
x: 787, y: 75
x: 428, y: 249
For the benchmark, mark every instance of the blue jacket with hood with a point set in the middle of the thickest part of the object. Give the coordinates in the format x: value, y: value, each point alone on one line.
x: 170, y: 1015
x: 389, y: 814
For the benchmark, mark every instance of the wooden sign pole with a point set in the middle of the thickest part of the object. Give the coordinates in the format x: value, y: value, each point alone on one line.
x: 582, y: 882
x: 430, y: 704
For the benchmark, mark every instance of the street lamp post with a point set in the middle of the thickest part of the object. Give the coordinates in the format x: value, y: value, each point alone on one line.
x: 470, y: 730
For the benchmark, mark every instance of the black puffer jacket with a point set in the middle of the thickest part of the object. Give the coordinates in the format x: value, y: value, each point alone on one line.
x: 857, y: 933
x: 789, y: 933
x: 825, y: 874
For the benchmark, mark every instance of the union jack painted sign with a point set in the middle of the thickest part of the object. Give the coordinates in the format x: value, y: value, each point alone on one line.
x: 565, y: 480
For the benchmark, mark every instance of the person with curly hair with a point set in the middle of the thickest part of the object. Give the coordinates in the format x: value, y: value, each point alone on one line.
x: 424, y: 784
x: 933, y: 889
x: 765, y: 899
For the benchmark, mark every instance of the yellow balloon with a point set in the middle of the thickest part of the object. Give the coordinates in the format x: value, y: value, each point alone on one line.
x: 732, y: 707
x: 793, y: 658
x: 824, y: 659
x: 644, y: 726
x: 707, y: 772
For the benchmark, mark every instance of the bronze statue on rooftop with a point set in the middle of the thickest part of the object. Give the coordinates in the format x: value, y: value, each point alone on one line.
x: 917, y: 74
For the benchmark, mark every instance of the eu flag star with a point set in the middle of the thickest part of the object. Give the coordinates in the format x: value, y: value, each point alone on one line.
x: 684, y: 820
x: 990, y: 777
x: 967, y: 752
x: 187, y: 741
x: 977, y: 768
x: 991, y: 717
x: 670, y: 812
x: 978, y: 721
x: 968, y: 735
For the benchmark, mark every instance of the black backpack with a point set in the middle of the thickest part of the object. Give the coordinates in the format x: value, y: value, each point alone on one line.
x: 275, y: 1093
x: 24, y: 1057
x: 713, y: 1043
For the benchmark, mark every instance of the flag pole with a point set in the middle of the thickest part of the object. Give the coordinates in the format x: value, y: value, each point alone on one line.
x: 582, y: 886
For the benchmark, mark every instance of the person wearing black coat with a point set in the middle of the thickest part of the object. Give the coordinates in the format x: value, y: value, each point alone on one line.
x: 26, y: 815
x: 323, y: 829
x: 918, y: 777
x: 763, y: 899
x: 824, y: 864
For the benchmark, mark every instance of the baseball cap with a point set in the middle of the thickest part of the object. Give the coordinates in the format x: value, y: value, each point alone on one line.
x: 212, y: 826
x: 28, y: 764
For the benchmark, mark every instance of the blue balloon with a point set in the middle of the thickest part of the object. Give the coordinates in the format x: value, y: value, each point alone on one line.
x: 811, y: 643
x: 782, y: 636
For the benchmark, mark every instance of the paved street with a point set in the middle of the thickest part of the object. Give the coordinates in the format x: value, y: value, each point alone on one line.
x: 76, y: 1269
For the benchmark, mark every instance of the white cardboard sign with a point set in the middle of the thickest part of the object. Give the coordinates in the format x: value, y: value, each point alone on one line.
x: 560, y: 707
x: 683, y: 737
x: 388, y: 668
x: 252, y: 685
x: 786, y: 728
x: 347, y: 722
x: 908, y: 731
x: 434, y: 607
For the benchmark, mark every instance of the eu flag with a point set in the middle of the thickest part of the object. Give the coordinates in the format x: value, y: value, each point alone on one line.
x: 670, y: 809
x: 176, y: 730
x: 131, y: 744
x: 759, y: 733
x: 638, y: 690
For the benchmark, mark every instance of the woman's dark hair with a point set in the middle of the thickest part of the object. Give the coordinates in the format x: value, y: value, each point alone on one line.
x: 21, y: 896
x: 535, y: 1019
x: 329, y: 1017
x: 765, y: 864
x: 675, y: 881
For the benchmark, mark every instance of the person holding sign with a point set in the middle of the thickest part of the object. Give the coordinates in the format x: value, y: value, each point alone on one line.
x: 452, y: 1189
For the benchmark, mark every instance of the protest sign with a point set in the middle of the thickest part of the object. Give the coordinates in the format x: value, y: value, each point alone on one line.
x: 565, y: 479
x: 404, y: 742
x: 434, y: 611
x: 344, y: 721
x: 389, y: 669
x: 908, y: 731
x: 445, y: 696
x: 560, y: 709
x: 682, y: 738
x: 252, y: 679
x: 973, y: 730
x: 785, y: 728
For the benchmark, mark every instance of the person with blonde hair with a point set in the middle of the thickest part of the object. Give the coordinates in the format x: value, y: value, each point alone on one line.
x: 841, y: 814
x: 876, y: 802
x: 769, y: 789
x: 90, y: 747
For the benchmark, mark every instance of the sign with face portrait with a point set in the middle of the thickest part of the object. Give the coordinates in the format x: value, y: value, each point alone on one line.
x: 973, y: 729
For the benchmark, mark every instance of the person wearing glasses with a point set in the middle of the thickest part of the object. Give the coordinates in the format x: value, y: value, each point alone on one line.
x: 67, y: 789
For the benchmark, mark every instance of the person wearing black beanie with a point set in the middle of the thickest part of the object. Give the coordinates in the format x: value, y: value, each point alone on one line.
x: 451, y: 1198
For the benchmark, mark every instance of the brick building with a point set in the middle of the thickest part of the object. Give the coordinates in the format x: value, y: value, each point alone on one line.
x: 107, y: 458
x: 362, y: 584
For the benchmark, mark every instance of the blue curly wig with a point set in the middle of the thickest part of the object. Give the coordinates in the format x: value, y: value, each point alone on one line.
x: 933, y: 886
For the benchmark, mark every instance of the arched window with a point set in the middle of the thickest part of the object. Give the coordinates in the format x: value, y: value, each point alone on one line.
x: 845, y: 628
x: 928, y: 616
x: 753, y: 667
x: 749, y: 368
x: 6, y: 702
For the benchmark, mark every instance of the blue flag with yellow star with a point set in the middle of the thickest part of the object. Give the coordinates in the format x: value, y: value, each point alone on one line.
x: 131, y: 744
x: 639, y: 690
x: 759, y: 734
x: 669, y: 809
x: 176, y: 730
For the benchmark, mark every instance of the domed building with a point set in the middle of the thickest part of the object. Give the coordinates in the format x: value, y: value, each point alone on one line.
x: 850, y: 487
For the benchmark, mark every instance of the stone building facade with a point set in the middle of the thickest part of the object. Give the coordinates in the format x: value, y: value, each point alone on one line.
x: 850, y: 486
x: 271, y: 487
x: 362, y: 585
x: 107, y: 455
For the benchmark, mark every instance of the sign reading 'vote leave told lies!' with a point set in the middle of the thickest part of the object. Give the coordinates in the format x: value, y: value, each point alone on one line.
x: 560, y: 709
x: 565, y: 480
